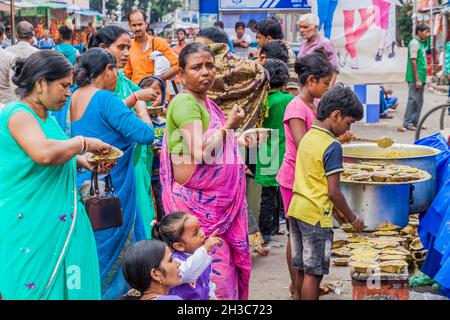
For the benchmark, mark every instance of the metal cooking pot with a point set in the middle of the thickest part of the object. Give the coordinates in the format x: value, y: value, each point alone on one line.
x: 378, y: 203
x: 421, y: 157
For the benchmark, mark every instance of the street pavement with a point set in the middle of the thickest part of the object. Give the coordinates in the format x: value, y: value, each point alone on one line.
x: 270, y: 277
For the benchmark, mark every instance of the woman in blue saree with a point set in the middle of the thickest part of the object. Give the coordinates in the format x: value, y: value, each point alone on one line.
x: 96, y: 111
x: 117, y: 41
x: 47, y: 246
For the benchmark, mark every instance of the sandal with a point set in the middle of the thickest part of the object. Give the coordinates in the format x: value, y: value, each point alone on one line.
x: 263, y: 249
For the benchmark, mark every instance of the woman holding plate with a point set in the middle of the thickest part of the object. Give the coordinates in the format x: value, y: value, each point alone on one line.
x: 47, y: 246
x: 96, y: 111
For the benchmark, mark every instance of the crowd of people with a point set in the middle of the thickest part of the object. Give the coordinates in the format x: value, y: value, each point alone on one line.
x: 181, y: 180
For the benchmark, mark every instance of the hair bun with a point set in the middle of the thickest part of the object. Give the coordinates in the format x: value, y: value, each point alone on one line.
x: 82, y: 76
x: 18, y: 68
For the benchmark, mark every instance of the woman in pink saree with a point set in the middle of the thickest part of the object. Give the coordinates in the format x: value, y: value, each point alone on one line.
x: 202, y: 171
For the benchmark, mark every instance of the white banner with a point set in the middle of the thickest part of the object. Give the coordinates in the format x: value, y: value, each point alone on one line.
x: 364, y: 35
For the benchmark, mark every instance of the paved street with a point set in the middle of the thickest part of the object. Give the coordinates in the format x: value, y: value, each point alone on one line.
x: 270, y: 277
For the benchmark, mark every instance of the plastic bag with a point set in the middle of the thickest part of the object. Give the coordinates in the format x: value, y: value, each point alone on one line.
x: 161, y: 63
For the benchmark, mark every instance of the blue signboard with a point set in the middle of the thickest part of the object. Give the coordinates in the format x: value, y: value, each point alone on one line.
x: 263, y: 5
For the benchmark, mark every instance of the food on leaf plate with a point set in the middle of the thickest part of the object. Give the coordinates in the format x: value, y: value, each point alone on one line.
x: 393, y: 266
x: 387, y: 257
x: 357, y: 245
x: 341, y: 262
x: 385, y: 233
x: 363, y: 267
x: 397, y: 251
x: 110, y: 158
x: 339, y: 244
x: 416, y: 245
x: 341, y: 252
x: 364, y: 251
x: 357, y: 239
x: 387, y: 226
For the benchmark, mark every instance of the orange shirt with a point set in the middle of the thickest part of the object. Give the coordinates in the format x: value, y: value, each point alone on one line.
x: 140, y: 66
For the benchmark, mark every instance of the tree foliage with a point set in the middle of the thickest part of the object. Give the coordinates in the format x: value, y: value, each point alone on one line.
x: 405, y: 23
x: 159, y: 7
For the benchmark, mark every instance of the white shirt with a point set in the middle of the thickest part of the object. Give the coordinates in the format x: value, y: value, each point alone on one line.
x: 22, y: 49
x: 245, y: 38
x: 194, y: 266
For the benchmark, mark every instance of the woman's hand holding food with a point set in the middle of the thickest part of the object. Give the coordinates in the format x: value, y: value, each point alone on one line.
x: 97, y: 146
x: 147, y: 95
x: 235, y: 118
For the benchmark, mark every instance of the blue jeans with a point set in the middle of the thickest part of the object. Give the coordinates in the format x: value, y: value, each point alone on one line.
x: 325, y: 11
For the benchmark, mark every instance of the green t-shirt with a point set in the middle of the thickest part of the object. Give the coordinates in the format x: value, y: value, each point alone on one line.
x: 270, y: 154
x: 416, y: 49
x: 183, y: 109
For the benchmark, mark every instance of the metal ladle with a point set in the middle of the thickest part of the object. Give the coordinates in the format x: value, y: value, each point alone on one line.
x: 383, y: 142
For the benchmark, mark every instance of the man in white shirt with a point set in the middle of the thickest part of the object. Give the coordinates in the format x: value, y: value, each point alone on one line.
x: 23, y: 48
x: 6, y: 62
x: 241, y: 41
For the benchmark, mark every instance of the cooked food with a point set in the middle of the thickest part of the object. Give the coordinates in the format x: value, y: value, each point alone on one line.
x: 357, y: 239
x: 110, y: 158
x: 339, y: 244
x: 363, y: 267
x: 341, y: 262
x: 416, y: 245
x: 393, y: 266
x: 387, y: 257
x: 364, y: 250
x: 361, y: 176
x: 347, y: 227
x: 365, y: 257
x: 383, y: 244
x: 380, y: 177
x: 387, y: 226
x: 341, y: 252
x: 400, y: 177
x: 385, y: 233
x: 358, y: 245
x: 409, y: 230
x: 397, y: 251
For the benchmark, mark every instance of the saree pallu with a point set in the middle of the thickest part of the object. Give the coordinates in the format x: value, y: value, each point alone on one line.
x: 215, y: 194
x: 143, y: 157
x: 239, y: 81
x: 47, y: 246
x: 108, y: 119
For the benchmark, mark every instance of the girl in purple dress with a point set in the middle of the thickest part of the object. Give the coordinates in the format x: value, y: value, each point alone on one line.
x: 183, y: 234
x: 150, y: 271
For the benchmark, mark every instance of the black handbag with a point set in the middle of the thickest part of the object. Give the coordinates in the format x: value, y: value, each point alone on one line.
x: 104, y: 211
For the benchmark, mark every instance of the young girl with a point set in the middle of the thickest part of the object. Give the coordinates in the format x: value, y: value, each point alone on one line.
x: 150, y: 271
x: 183, y: 234
x: 314, y: 74
x: 159, y: 123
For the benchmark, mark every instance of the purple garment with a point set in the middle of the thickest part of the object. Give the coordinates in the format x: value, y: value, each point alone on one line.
x: 169, y: 297
x: 321, y: 42
x: 198, y: 290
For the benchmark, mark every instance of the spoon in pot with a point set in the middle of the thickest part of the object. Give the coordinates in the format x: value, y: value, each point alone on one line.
x: 383, y: 142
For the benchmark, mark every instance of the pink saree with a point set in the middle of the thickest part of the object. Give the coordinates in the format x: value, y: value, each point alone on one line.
x: 215, y: 194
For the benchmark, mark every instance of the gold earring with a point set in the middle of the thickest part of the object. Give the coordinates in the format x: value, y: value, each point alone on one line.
x: 160, y: 283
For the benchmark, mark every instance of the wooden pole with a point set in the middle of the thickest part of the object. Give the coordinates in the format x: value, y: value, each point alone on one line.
x: 13, y: 23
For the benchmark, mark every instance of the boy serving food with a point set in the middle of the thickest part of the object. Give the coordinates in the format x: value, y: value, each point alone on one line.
x: 317, y: 190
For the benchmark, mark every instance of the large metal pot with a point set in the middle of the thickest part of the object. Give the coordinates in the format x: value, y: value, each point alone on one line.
x: 421, y: 157
x: 378, y: 203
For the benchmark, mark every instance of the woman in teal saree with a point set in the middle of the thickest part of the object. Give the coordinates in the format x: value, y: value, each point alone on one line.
x: 47, y: 246
x: 117, y: 41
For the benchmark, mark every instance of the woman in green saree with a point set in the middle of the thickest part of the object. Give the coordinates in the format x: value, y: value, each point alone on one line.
x: 117, y: 40
x: 47, y: 245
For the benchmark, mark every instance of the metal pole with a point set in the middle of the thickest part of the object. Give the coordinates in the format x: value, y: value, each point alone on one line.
x: 13, y: 23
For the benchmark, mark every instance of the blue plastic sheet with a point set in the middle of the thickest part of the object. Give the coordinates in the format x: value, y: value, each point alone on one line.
x: 434, y: 227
